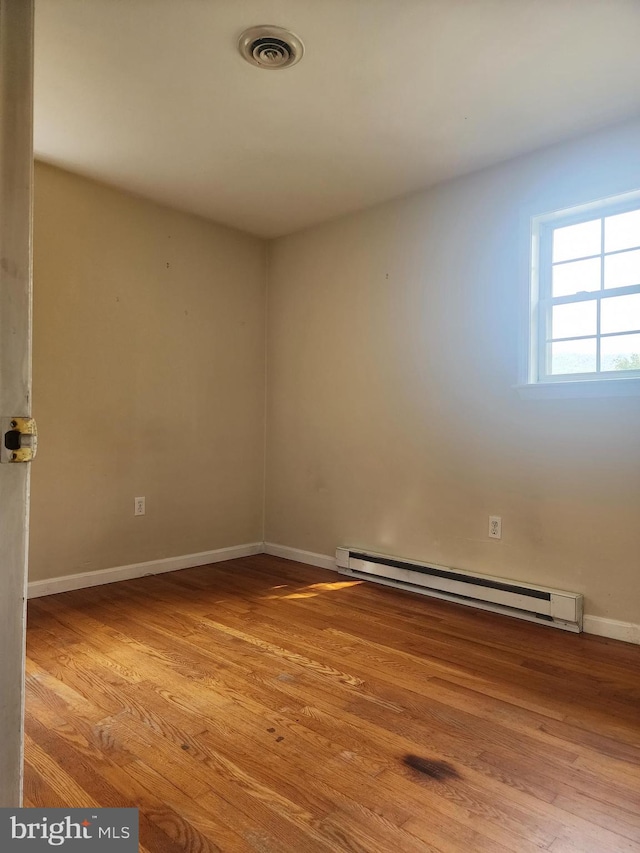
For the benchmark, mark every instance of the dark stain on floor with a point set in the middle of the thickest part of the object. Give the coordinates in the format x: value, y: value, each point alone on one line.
x: 438, y: 770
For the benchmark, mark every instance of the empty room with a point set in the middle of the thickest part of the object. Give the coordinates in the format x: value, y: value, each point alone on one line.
x: 320, y: 383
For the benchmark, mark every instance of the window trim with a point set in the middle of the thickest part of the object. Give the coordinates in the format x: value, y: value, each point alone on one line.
x: 534, y: 381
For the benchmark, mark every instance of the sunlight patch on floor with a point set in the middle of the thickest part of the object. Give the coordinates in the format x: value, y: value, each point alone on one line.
x: 313, y: 589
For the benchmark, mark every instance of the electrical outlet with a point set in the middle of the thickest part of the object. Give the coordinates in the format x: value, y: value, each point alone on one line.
x: 495, y: 527
x: 139, y: 506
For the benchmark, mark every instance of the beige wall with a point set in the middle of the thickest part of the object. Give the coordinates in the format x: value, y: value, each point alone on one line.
x: 393, y: 423
x: 148, y: 380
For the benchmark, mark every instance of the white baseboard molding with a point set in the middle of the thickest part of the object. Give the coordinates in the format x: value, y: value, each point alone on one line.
x: 323, y: 561
x: 628, y: 632
x: 51, y: 586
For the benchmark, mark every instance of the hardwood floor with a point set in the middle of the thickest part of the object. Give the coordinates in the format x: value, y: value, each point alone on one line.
x: 262, y: 705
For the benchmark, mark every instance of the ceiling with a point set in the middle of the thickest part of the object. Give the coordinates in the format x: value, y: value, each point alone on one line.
x: 391, y: 96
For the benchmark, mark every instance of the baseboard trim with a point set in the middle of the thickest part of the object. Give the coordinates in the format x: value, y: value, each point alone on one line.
x: 66, y: 583
x: 323, y: 561
x: 628, y: 632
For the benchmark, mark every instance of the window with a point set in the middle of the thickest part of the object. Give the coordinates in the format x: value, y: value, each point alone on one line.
x: 584, y: 312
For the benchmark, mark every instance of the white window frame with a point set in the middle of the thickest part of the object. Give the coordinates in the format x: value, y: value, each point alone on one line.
x: 534, y: 378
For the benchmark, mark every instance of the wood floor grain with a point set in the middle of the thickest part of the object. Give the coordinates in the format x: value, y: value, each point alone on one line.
x: 263, y: 705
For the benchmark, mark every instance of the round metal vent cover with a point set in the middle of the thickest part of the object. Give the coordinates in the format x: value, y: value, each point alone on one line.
x: 270, y: 47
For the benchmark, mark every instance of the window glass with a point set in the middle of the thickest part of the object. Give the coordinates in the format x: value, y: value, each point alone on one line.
x: 577, y: 241
x: 585, y: 296
x: 621, y: 352
x: 622, y: 231
x: 622, y: 270
x: 620, y: 314
x: 574, y: 319
x: 573, y: 356
x: 575, y: 277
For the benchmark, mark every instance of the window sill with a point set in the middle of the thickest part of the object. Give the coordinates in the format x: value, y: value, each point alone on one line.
x: 584, y: 388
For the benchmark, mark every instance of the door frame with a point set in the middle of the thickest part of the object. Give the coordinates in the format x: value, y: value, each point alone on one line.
x: 16, y: 181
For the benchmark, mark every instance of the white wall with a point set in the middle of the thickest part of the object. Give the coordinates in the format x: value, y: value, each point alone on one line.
x: 393, y: 423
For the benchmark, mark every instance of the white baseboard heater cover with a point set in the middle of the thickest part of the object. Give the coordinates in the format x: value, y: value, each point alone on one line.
x: 553, y: 607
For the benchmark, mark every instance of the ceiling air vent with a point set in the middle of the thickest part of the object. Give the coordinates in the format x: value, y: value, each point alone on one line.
x: 270, y: 47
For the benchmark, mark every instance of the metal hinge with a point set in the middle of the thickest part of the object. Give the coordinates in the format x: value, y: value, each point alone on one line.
x: 19, y: 439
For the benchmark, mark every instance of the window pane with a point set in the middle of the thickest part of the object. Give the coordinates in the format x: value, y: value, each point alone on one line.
x: 622, y: 270
x: 621, y: 353
x: 620, y: 314
x: 573, y: 356
x: 576, y: 241
x: 576, y: 276
x: 574, y: 319
x: 622, y: 231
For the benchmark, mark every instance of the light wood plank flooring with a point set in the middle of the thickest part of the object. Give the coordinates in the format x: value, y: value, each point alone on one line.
x: 263, y: 705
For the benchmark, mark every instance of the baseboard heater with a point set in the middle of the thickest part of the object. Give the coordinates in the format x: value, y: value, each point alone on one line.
x: 534, y: 603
